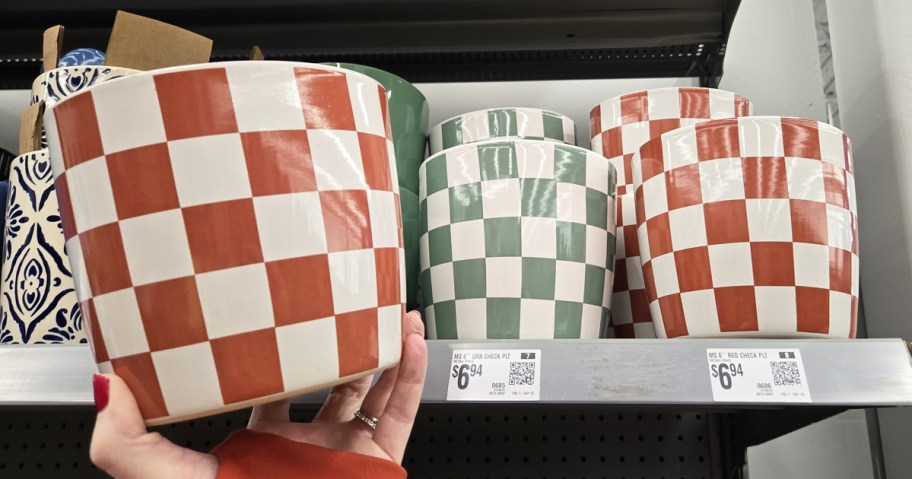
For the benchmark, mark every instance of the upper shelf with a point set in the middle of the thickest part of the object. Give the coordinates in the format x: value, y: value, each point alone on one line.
x: 661, y: 373
x: 421, y: 40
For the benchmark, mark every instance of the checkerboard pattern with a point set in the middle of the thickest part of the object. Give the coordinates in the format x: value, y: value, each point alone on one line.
x: 234, y: 229
x: 482, y: 125
x: 749, y: 227
x: 517, y: 241
x: 55, y: 85
x: 618, y: 127
x: 630, y: 316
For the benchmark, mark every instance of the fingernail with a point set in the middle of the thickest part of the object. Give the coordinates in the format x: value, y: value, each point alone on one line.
x: 102, y: 390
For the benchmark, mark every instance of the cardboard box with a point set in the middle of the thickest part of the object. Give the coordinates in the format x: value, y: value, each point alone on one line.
x: 53, y: 44
x: 30, y: 122
x: 145, y: 44
x: 256, y: 53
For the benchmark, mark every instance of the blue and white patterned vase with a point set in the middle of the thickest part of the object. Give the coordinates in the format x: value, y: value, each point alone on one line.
x: 37, y: 293
x: 82, y: 57
x: 60, y: 83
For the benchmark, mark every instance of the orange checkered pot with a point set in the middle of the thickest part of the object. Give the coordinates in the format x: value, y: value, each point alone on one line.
x: 618, y: 127
x: 234, y: 231
x: 748, y: 227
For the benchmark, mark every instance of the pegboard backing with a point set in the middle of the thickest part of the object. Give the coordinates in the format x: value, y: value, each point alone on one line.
x: 53, y: 442
x: 558, y: 442
x: 449, y: 442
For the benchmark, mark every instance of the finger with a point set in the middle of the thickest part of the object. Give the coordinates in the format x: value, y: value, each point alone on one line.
x: 396, y: 423
x: 347, y: 398
x: 375, y: 401
x: 344, y: 400
x: 412, y: 324
x: 274, y: 412
x: 123, y: 448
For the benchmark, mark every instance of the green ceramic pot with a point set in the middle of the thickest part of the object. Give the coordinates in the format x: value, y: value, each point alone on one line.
x: 409, y: 204
x: 517, y: 241
x: 409, y: 116
x: 502, y: 123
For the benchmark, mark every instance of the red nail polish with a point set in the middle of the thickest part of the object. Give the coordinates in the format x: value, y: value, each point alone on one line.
x: 102, y: 390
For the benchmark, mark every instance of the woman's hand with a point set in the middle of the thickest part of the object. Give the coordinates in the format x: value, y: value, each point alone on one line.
x: 123, y: 448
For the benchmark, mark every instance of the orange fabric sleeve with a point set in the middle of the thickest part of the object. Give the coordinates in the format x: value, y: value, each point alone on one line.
x: 247, y: 454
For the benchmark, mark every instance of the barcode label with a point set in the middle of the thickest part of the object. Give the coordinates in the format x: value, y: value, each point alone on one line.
x: 757, y: 375
x: 495, y: 375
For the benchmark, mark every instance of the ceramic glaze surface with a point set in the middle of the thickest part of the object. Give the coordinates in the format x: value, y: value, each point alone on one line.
x: 517, y: 241
x: 37, y: 294
x: 55, y: 85
x: 409, y: 114
x: 748, y: 227
x: 503, y: 123
x: 82, y: 57
x: 410, y: 233
x: 235, y: 232
x: 618, y: 127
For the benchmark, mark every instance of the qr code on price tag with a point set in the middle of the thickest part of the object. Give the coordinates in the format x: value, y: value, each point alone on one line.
x: 522, y: 373
x: 786, y: 373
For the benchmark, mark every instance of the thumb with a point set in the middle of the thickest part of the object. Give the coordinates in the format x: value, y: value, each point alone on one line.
x: 122, y: 447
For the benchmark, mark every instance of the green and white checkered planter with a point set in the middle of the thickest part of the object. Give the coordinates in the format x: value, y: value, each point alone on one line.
x: 502, y: 123
x: 517, y: 241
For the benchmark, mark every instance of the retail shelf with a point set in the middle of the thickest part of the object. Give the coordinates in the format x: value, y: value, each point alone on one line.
x: 661, y: 373
x: 421, y: 40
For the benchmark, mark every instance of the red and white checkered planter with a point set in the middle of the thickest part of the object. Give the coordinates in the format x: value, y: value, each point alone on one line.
x: 748, y: 227
x: 618, y: 127
x: 234, y: 229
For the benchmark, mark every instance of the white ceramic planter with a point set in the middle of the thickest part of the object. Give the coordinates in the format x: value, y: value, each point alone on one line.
x: 37, y: 293
x: 618, y: 127
x: 517, y: 241
x: 749, y: 227
x: 502, y: 123
x: 235, y: 231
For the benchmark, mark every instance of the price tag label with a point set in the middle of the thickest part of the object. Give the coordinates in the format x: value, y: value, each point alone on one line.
x: 495, y: 375
x: 757, y: 375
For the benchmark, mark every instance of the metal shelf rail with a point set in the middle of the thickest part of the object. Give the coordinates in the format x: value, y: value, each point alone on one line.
x: 420, y: 40
x: 656, y: 373
x: 664, y: 383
